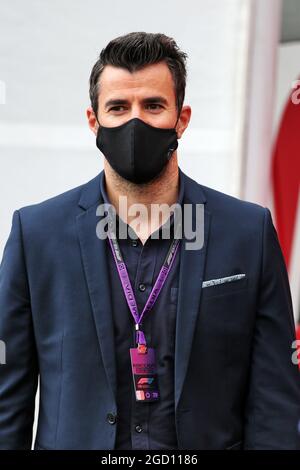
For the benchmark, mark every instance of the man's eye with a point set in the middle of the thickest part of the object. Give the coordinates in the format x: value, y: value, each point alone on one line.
x: 154, y: 106
x: 117, y: 108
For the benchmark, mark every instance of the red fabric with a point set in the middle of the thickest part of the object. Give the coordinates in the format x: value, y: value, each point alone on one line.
x: 286, y: 179
x: 286, y: 176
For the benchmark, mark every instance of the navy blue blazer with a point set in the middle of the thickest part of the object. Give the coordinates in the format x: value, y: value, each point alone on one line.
x: 236, y: 386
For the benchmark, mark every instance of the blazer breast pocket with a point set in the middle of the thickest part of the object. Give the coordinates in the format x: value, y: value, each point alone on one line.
x: 224, y: 286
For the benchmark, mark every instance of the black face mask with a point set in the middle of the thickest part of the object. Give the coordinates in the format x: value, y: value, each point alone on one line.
x: 137, y: 151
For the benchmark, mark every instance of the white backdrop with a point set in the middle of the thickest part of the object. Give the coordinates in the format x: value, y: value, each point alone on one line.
x: 47, y: 50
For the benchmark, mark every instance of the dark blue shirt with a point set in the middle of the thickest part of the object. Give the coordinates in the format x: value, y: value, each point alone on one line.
x: 145, y: 425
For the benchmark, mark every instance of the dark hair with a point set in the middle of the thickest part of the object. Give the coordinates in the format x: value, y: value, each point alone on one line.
x: 136, y: 50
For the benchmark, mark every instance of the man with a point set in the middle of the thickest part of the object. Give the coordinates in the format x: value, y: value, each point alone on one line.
x: 140, y: 342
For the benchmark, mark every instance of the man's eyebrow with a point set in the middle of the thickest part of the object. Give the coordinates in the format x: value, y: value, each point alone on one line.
x: 155, y: 99
x: 116, y: 102
x: 150, y: 100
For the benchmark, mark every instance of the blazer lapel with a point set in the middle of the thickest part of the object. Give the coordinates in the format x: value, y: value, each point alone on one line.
x: 190, y: 288
x: 93, y: 251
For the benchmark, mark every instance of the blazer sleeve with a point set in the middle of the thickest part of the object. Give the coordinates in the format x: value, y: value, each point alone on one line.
x: 19, y: 373
x: 273, y: 402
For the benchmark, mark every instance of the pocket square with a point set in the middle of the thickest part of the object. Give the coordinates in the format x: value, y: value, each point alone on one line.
x: 222, y: 280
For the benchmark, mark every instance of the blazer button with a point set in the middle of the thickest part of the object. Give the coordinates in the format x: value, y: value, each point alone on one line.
x: 111, y: 418
x: 142, y: 287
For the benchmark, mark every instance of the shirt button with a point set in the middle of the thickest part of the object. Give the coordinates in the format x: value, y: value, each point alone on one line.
x: 111, y: 418
x: 134, y: 243
x: 142, y: 287
x: 138, y: 428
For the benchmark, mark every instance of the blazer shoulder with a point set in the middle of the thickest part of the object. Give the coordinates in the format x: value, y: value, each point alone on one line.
x: 218, y: 201
x: 233, y: 216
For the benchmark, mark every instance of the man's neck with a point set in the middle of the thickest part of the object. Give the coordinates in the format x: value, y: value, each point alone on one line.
x: 162, y: 190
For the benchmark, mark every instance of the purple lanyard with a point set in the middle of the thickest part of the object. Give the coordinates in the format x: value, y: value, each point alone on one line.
x: 126, y: 284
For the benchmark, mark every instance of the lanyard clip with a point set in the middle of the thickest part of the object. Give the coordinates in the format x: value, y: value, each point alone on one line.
x: 141, y: 340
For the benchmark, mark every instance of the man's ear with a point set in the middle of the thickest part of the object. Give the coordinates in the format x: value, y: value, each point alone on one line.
x: 184, y: 119
x: 92, y: 120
